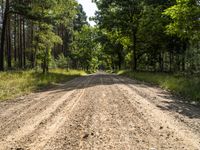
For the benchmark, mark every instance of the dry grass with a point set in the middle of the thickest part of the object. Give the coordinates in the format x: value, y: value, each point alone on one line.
x: 17, y: 83
x: 188, y: 87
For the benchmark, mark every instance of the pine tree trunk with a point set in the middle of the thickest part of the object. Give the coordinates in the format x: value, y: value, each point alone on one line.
x: 8, y: 35
x: 3, y: 36
x: 33, y: 53
x: 134, y: 51
x: 15, y: 39
x: 24, y: 43
x: 161, y: 61
x: 20, y: 44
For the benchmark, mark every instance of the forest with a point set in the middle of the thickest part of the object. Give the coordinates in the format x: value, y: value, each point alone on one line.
x: 125, y: 78
x: 35, y: 33
x: 136, y: 35
x: 151, y: 35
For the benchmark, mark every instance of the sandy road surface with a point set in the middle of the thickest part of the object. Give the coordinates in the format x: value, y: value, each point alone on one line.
x: 102, y: 112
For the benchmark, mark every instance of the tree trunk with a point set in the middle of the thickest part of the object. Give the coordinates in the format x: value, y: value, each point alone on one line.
x: 170, y: 60
x: 8, y: 39
x: 134, y: 51
x: 20, y: 43
x: 183, y: 55
x: 62, y: 35
x: 45, y: 64
x: 3, y: 35
x: 15, y: 39
x: 161, y: 61
x: 24, y: 43
x: 33, y: 53
x: 119, y: 60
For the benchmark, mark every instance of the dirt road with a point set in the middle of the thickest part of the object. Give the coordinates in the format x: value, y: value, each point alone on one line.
x: 101, y: 112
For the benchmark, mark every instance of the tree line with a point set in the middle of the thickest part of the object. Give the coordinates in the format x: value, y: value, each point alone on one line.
x: 150, y: 35
x: 147, y: 35
x: 35, y: 32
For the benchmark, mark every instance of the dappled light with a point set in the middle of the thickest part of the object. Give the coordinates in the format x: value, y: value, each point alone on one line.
x: 99, y: 74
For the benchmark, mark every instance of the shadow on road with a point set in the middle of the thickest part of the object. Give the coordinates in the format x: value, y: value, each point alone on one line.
x: 162, y: 99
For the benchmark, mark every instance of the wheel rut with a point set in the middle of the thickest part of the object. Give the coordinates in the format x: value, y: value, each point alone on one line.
x: 98, y: 111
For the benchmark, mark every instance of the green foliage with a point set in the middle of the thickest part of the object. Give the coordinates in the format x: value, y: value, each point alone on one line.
x: 80, y: 19
x: 131, y: 30
x: 14, y: 84
x: 134, y: 34
x: 186, y: 86
x: 44, y: 41
x: 151, y: 35
x: 85, y: 49
x: 62, y: 62
x: 120, y: 16
x: 46, y: 17
x: 185, y: 19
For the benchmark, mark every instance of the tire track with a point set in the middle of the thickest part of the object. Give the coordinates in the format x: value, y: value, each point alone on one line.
x: 31, y: 103
x: 16, y: 120
x: 171, y: 132
x: 31, y: 123
x: 107, y: 124
x: 71, y: 134
x: 100, y: 111
x: 50, y: 128
x: 9, y: 107
x: 175, y: 107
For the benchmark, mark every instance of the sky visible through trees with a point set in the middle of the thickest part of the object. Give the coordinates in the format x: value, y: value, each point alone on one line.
x: 139, y: 35
x: 46, y: 43
x: 90, y: 9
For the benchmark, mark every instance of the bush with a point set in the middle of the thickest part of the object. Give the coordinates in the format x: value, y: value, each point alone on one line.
x: 63, y: 62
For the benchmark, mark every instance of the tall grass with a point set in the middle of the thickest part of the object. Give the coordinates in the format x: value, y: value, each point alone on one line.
x: 189, y: 87
x: 13, y: 84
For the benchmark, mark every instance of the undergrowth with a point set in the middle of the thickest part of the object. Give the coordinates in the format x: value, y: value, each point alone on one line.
x: 188, y: 87
x: 17, y: 83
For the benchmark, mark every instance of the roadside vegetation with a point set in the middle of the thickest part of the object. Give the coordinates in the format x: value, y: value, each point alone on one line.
x: 148, y: 37
x: 152, y: 36
x: 186, y: 86
x: 18, y: 83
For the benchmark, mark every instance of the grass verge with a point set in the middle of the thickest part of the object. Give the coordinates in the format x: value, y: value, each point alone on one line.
x: 188, y: 87
x: 14, y: 84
